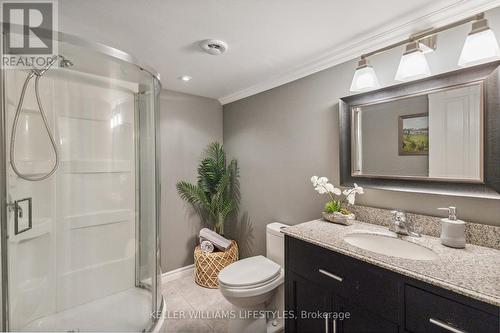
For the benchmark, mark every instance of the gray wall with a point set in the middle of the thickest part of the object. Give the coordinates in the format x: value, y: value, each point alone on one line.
x: 380, y: 138
x: 283, y: 136
x: 188, y: 124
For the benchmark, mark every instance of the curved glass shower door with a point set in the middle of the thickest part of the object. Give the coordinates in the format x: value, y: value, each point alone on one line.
x: 81, y: 247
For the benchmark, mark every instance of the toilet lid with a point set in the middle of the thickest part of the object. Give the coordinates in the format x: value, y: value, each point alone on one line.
x: 250, y: 271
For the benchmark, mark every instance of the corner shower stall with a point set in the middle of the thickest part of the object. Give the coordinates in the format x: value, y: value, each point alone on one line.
x: 80, y: 192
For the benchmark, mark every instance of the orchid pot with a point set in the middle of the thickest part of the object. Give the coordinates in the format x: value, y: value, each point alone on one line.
x: 340, y: 218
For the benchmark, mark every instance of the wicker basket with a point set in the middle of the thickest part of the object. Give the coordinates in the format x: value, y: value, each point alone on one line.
x: 208, y: 265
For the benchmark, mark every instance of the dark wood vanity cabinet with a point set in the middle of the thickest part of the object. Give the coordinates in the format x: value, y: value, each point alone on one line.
x: 326, y: 291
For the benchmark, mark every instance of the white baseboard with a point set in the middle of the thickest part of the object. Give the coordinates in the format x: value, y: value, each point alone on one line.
x: 178, y: 273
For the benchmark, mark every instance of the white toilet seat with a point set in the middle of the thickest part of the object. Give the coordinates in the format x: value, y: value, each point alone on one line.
x: 250, y: 277
x: 249, y: 291
x: 249, y: 272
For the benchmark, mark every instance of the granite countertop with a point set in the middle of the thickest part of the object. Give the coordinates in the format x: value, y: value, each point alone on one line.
x: 473, y: 271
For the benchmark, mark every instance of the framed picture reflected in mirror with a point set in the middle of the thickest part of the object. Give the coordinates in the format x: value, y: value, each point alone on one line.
x: 413, y: 134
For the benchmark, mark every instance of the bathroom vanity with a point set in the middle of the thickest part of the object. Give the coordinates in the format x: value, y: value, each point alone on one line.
x: 369, y: 292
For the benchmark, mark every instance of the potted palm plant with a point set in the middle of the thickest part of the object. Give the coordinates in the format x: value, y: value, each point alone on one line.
x: 216, y: 194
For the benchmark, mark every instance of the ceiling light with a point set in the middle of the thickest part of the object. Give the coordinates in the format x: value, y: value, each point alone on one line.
x: 413, y: 64
x: 364, y: 77
x: 185, y: 78
x: 480, y: 45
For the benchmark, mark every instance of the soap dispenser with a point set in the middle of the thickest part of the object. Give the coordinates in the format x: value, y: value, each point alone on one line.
x: 452, y: 230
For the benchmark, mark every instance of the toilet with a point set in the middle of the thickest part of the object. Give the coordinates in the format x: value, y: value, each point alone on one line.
x: 254, y: 285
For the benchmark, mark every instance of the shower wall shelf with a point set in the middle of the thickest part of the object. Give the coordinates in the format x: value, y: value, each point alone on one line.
x: 97, y: 218
x: 34, y: 168
x: 97, y: 166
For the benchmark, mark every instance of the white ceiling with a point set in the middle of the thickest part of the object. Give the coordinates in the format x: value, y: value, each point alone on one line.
x: 270, y: 41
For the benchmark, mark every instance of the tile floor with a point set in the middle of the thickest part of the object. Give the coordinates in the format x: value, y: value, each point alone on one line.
x: 184, y: 297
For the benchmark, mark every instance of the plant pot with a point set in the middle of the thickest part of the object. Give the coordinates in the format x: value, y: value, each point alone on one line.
x: 337, y: 217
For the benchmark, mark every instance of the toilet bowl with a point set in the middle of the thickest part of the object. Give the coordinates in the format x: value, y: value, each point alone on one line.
x: 254, y: 287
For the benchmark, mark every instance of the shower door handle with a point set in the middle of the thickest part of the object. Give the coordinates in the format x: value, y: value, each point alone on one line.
x: 19, y: 213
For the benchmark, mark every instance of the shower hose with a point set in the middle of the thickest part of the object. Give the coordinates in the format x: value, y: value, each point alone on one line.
x: 38, y: 74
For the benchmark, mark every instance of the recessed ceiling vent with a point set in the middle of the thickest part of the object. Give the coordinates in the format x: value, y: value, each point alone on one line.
x: 214, y: 46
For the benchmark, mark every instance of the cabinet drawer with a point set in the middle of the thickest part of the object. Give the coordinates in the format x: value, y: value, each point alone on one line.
x: 360, y: 282
x: 323, y: 267
x: 427, y: 312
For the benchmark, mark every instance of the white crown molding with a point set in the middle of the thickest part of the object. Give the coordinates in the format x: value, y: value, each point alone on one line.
x: 438, y: 14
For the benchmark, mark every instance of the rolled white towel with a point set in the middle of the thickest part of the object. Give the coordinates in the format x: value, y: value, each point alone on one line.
x: 217, y: 240
x: 206, y: 246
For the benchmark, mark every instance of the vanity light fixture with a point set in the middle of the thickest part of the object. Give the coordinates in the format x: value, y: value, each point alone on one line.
x: 364, y: 77
x: 413, y: 64
x: 480, y: 45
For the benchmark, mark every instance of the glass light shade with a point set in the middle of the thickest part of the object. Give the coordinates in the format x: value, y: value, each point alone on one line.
x: 364, y: 79
x: 478, y: 48
x: 413, y: 65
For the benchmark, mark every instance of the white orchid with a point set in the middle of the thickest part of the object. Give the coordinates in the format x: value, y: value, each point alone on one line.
x: 329, y: 187
x: 350, y: 194
x: 321, y: 189
x: 351, y: 198
x: 322, y: 186
x: 332, y: 189
x: 358, y: 189
x: 322, y: 181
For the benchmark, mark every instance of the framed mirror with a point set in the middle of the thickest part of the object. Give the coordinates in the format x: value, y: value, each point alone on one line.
x: 436, y: 135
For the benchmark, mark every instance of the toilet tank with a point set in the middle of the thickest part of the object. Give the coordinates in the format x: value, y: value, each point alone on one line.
x: 275, y: 243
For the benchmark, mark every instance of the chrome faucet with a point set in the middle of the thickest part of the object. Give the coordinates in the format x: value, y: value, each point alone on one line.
x: 400, y: 225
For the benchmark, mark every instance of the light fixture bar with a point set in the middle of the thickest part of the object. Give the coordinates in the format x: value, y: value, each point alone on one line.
x: 428, y: 44
x: 479, y: 25
x: 425, y: 34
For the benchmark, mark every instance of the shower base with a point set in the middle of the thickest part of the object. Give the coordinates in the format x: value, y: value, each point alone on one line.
x: 126, y: 311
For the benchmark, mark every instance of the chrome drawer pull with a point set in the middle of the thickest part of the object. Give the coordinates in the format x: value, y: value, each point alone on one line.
x: 326, y: 324
x: 445, y: 326
x: 333, y: 276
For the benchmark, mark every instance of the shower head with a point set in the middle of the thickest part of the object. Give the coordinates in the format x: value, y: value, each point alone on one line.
x: 64, y: 62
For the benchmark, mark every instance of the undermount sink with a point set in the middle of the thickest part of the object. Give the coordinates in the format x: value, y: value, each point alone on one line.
x: 390, y: 245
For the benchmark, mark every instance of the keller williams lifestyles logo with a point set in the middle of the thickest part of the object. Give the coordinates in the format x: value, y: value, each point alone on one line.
x: 29, y: 33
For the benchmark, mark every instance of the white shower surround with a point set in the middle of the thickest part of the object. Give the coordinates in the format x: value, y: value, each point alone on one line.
x: 82, y: 245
